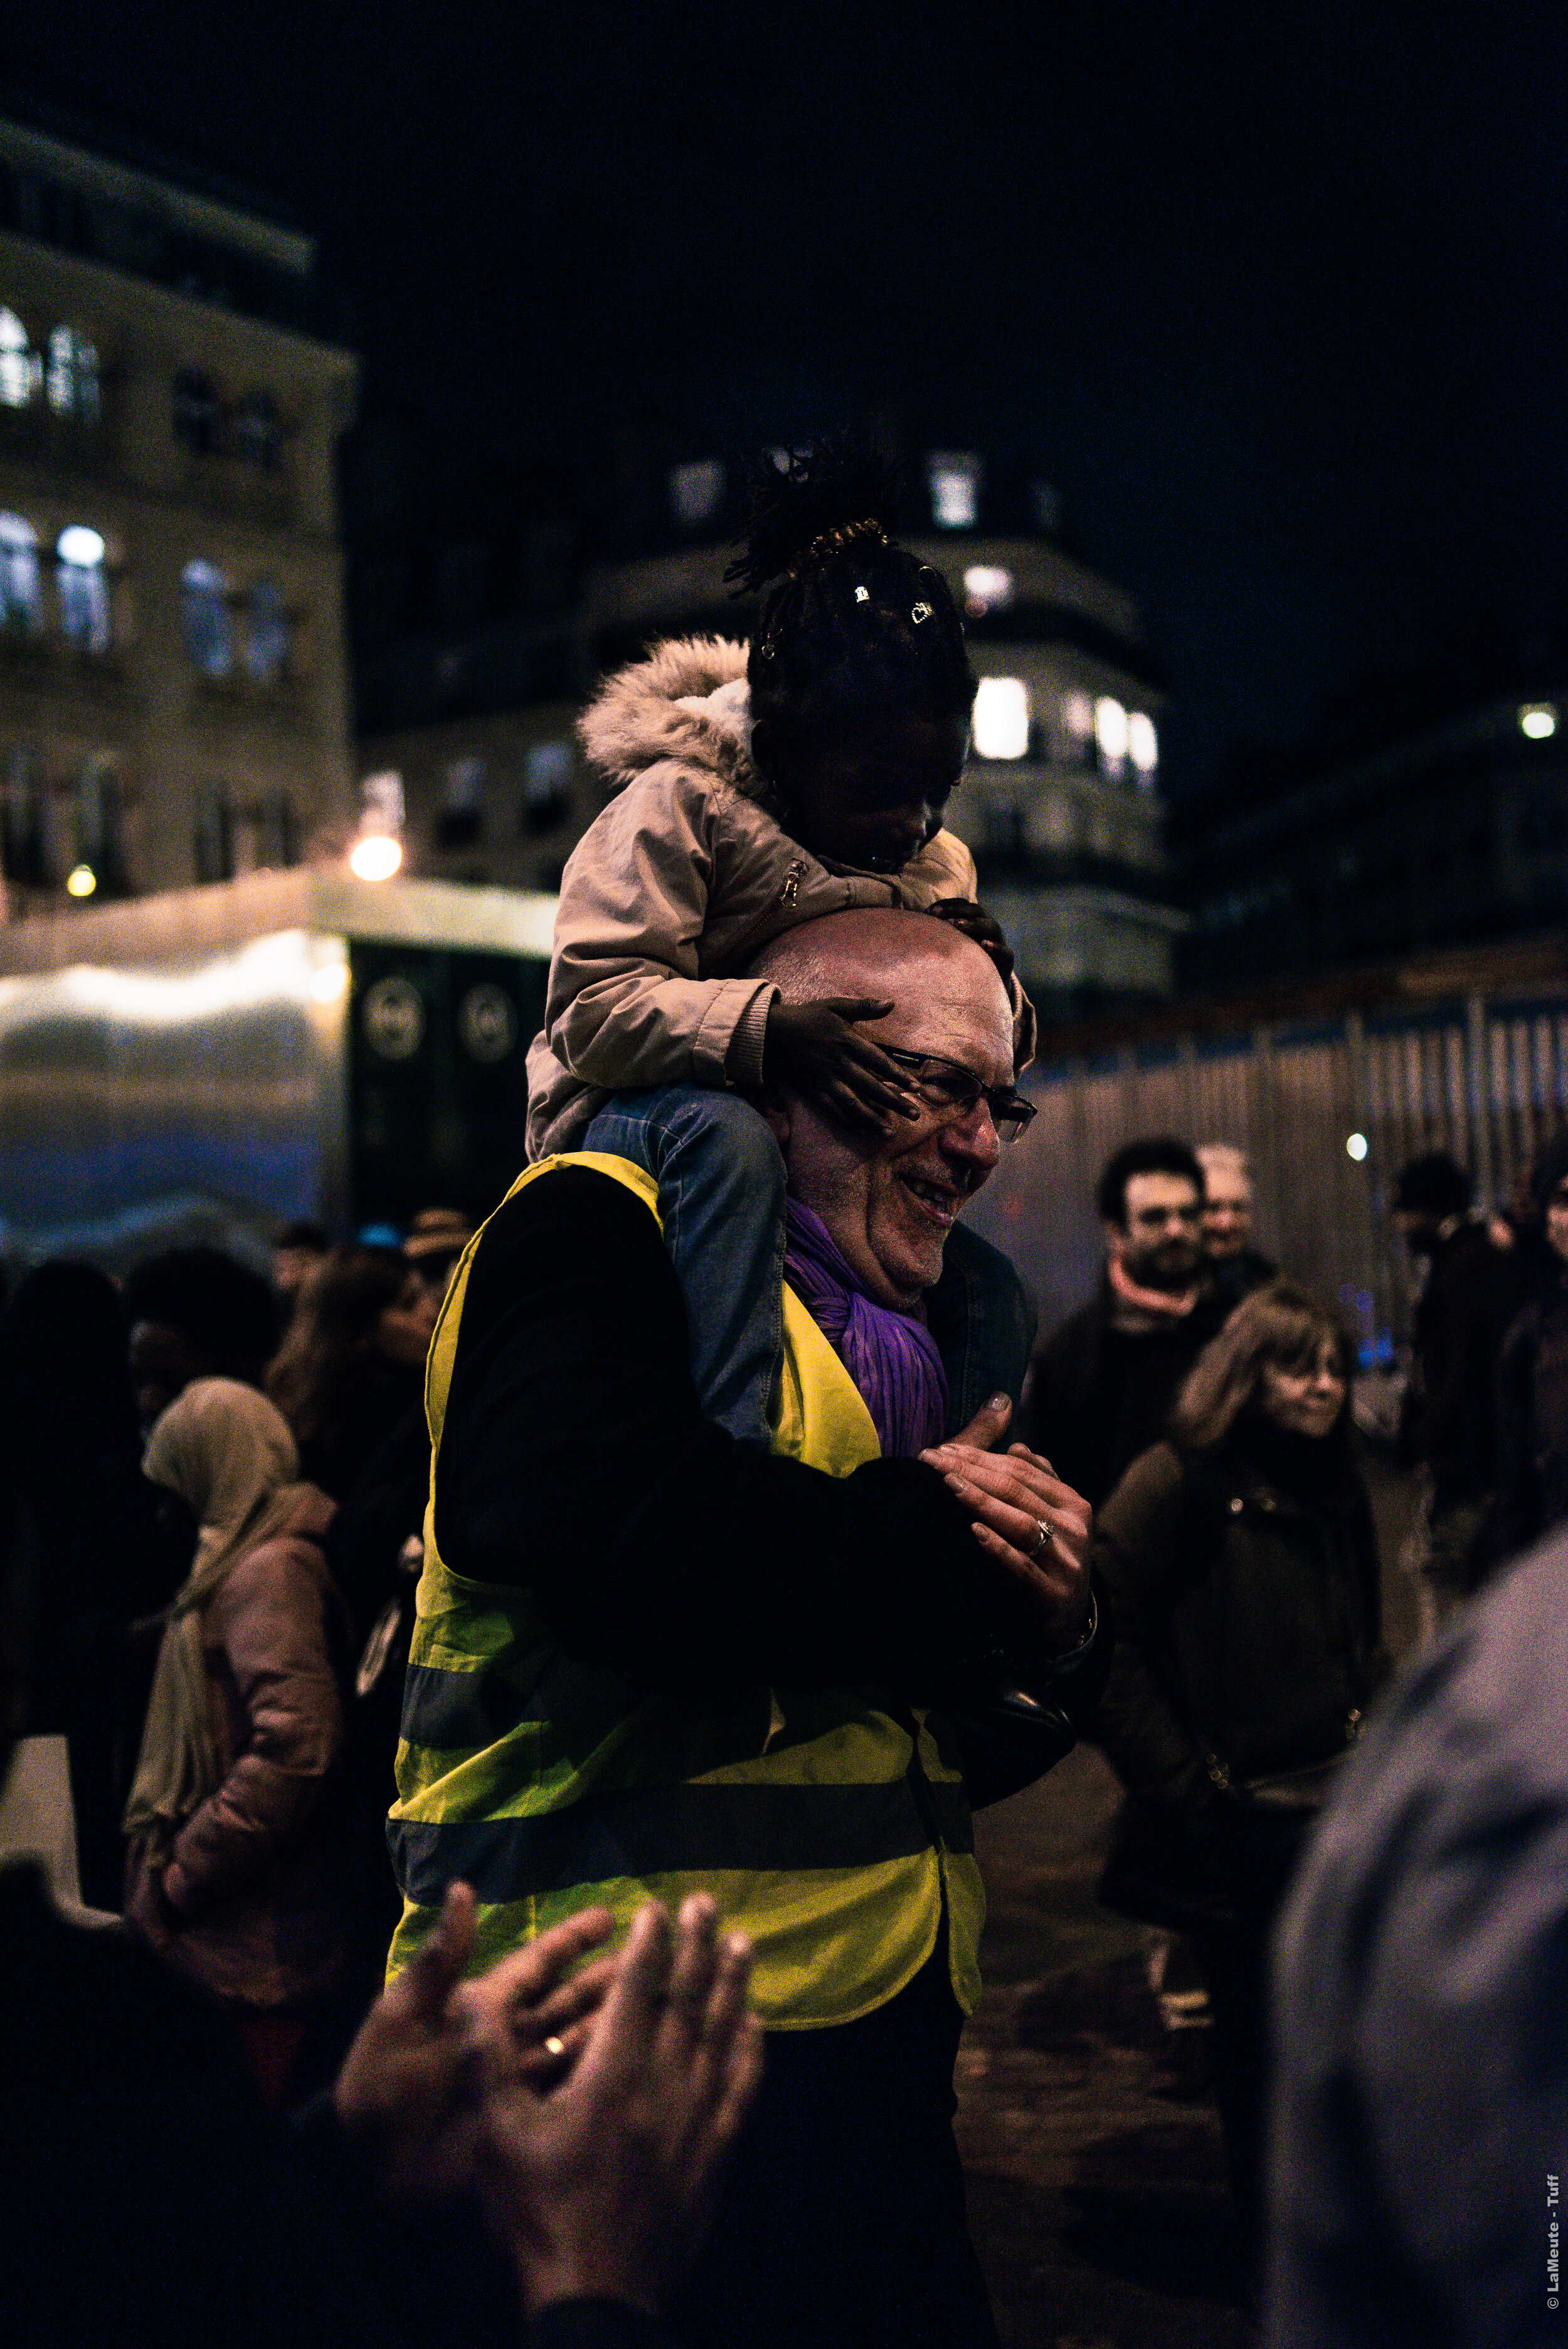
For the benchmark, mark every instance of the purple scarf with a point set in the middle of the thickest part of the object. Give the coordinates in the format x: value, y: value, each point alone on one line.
x: 893, y: 1360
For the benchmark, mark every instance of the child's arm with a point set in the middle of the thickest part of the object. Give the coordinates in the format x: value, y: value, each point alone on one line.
x: 625, y: 1005
x: 815, y: 1050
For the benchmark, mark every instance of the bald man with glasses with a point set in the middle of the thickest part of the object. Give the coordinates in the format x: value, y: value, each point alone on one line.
x: 650, y: 1654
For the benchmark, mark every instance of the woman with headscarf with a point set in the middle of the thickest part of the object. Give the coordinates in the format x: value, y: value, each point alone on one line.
x: 234, y: 1822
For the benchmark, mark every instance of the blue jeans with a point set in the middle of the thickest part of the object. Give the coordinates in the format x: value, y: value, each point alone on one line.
x: 721, y: 1199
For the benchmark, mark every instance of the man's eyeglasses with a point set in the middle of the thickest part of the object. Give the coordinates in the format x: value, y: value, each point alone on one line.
x: 948, y: 1086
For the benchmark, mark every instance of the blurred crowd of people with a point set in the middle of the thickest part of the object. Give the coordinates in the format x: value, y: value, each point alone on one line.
x: 215, y: 1489
x: 215, y: 1495
x: 217, y: 2126
x: 1202, y: 1402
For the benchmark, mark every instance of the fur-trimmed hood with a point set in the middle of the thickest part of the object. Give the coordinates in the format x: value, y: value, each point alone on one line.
x: 688, y: 701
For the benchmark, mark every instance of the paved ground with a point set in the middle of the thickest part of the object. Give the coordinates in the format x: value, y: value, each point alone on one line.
x: 1095, y: 2178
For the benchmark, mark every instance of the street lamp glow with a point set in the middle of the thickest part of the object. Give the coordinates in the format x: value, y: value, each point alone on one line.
x: 375, y: 856
x: 81, y: 881
x: 1538, y: 721
x: 1355, y: 1146
x: 80, y: 545
x: 330, y: 983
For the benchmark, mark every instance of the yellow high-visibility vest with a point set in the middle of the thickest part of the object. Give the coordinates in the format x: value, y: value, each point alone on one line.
x: 826, y: 1823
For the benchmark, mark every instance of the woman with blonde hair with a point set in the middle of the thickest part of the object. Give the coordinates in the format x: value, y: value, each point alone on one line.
x: 1241, y: 1562
x: 236, y: 1863
x: 351, y: 1368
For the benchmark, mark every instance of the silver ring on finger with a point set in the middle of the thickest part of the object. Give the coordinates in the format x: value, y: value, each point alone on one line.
x: 1042, y: 1541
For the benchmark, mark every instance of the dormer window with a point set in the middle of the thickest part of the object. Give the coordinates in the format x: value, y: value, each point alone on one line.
x: 198, y: 411
x: 259, y: 430
x: 19, y: 363
x: 20, y: 605
x: 268, y: 643
x: 71, y: 377
x: 209, y: 623
x: 82, y: 585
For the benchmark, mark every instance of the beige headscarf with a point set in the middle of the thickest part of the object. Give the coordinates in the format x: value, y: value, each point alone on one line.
x: 228, y: 1454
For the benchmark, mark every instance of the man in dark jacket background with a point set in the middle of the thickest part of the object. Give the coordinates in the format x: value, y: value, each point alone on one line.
x: 1103, y: 1383
x: 1472, y: 1293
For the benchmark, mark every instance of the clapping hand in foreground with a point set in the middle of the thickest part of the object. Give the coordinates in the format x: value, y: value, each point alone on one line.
x: 593, y: 2106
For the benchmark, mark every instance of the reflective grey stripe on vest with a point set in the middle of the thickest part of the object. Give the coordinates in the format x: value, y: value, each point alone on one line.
x: 472, y: 1710
x: 681, y: 1830
x: 465, y: 1710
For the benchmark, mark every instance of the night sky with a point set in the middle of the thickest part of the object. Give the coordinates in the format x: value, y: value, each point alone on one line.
x: 1274, y: 296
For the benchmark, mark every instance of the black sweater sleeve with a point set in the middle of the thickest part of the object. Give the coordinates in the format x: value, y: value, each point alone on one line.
x: 574, y: 1459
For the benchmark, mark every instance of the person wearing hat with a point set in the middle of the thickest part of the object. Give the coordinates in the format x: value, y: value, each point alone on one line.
x: 437, y: 1238
x: 1471, y: 1291
x: 1532, y: 1495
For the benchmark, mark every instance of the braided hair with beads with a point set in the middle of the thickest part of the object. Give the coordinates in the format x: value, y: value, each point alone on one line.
x: 853, y: 628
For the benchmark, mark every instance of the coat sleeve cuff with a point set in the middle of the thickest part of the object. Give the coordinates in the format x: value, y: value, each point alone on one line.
x: 727, y: 1047
x: 743, y: 1061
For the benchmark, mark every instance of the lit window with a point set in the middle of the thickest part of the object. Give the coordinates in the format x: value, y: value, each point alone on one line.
x: 268, y: 641
x: 209, y: 623
x: 987, y: 586
x: 382, y: 797
x: 954, y: 479
x: 198, y: 412
x: 20, y: 608
x: 258, y: 431
x: 1111, y: 732
x: 1078, y: 725
x: 696, y: 491
x: 19, y: 363
x: 1538, y: 721
x: 1142, y: 746
x: 1002, y: 718
x: 83, y: 588
x: 72, y: 378
x: 546, y: 787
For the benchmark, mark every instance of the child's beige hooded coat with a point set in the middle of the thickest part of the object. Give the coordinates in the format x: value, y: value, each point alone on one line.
x: 673, y: 890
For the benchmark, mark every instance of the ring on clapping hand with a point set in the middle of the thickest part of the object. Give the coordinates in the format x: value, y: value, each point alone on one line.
x: 1043, y: 1532
x: 553, y: 2046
